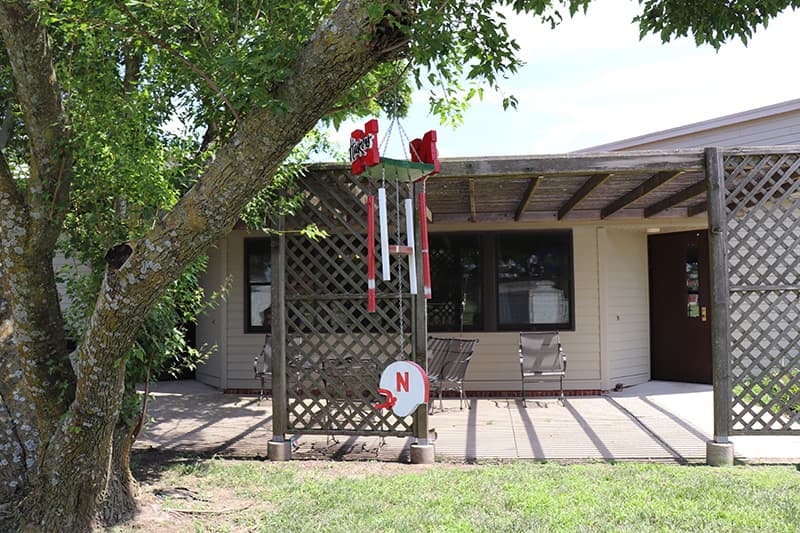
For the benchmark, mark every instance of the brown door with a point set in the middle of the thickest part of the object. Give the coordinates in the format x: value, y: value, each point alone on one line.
x: 680, y: 333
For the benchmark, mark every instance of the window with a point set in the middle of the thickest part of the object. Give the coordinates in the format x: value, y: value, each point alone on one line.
x: 534, y: 280
x: 692, y: 281
x: 258, y: 279
x: 457, y: 299
x: 501, y: 281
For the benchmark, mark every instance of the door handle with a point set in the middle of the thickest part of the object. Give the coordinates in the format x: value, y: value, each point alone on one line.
x: 703, y: 314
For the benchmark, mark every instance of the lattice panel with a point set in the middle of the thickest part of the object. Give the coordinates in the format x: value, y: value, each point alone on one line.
x: 763, y: 225
x: 336, y: 349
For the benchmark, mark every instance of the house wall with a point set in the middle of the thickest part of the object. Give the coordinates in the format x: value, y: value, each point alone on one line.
x: 611, y: 340
x: 65, y: 267
x: 610, y: 267
x: 495, y: 364
x: 626, y: 310
x: 242, y: 347
x: 212, y: 325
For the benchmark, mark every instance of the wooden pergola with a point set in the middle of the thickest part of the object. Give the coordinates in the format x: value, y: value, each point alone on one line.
x: 319, y: 301
x: 569, y: 187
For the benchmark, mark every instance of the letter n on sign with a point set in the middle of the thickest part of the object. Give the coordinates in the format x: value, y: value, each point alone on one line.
x: 402, y: 381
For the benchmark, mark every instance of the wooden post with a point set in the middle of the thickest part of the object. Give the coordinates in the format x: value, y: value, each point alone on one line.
x: 280, y: 408
x: 419, y: 333
x: 720, y: 295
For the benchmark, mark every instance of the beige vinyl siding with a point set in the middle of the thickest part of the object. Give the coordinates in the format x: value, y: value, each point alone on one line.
x: 231, y: 366
x: 627, y: 322
x: 773, y: 125
x: 210, y: 329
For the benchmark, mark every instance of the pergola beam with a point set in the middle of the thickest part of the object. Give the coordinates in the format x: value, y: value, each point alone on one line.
x: 533, y: 183
x: 677, y: 198
x: 642, y: 190
x: 573, y: 164
x: 586, y: 189
x: 473, y: 210
x: 695, y: 210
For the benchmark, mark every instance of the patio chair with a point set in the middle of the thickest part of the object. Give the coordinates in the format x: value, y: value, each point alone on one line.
x: 541, y: 358
x: 264, y: 360
x: 448, y: 360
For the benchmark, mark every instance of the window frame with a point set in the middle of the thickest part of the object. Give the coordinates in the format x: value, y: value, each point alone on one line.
x: 569, y: 325
x: 481, y: 248
x: 251, y: 244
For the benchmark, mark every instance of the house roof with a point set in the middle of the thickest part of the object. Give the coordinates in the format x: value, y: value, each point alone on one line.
x: 721, y: 127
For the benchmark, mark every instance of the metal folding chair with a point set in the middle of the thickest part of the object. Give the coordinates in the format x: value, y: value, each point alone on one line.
x: 541, y: 358
x: 264, y: 360
x: 448, y: 360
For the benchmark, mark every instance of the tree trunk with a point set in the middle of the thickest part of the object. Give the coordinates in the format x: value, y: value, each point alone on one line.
x: 19, y: 438
x: 118, y: 501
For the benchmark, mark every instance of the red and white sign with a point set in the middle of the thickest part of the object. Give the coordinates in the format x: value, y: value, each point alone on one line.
x: 364, y: 147
x: 405, y: 385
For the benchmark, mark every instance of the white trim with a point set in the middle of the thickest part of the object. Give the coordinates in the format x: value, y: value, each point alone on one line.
x: 601, y: 243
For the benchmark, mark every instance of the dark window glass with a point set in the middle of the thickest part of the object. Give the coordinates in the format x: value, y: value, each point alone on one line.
x: 534, y: 280
x: 258, y: 279
x: 692, y: 282
x: 506, y: 281
x: 456, y: 285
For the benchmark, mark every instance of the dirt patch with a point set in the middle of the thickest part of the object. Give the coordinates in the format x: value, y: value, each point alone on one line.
x: 173, y: 509
x: 177, y: 503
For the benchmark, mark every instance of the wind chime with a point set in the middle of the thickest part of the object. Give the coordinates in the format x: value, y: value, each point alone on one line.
x: 364, y: 155
x: 403, y: 383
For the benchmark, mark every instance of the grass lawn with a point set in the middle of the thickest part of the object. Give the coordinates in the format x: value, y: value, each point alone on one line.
x: 186, y: 494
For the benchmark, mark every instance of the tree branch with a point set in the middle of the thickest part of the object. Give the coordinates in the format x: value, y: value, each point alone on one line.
x: 374, y: 95
x: 32, y: 224
x: 339, y: 53
x: 167, y: 48
x: 39, y: 97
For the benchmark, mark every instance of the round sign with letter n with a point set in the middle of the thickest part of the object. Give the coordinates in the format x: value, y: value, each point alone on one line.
x: 405, y: 385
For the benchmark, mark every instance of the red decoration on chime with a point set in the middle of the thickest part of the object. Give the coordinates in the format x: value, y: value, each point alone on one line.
x: 423, y: 230
x: 364, y: 147
x: 424, y: 150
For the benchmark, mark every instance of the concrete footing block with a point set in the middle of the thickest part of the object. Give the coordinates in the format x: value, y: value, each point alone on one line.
x: 719, y: 453
x: 279, y: 451
x: 422, y: 454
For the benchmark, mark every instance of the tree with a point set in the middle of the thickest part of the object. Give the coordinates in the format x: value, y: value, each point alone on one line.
x: 250, y: 79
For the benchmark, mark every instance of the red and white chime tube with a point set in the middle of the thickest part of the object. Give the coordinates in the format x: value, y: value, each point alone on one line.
x: 423, y: 229
x: 371, y: 297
